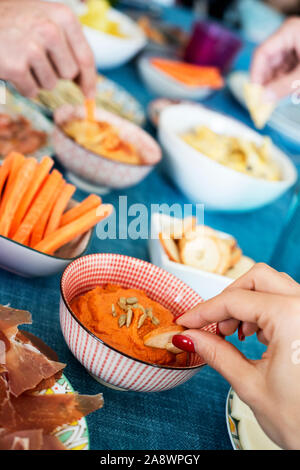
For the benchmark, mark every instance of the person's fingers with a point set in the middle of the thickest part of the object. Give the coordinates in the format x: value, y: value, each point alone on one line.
x: 227, y: 360
x: 52, y: 39
x: 244, y: 305
x: 263, y: 278
x: 80, y: 48
x: 228, y: 327
x: 261, y: 337
x: 26, y: 84
x: 283, y: 85
x: 42, y: 68
x: 249, y: 328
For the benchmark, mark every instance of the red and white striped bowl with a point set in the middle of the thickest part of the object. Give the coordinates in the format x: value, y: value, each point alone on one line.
x: 105, y: 363
x: 97, y: 169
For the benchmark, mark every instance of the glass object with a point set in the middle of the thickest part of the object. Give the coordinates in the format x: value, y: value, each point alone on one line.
x: 286, y: 256
x: 212, y: 44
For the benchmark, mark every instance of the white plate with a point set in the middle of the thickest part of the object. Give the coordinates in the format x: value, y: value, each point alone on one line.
x: 162, y: 85
x: 206, y: 181
x: 253, y: 437
x: 112, y: 51
x: 206, y: 284
x: 285, y: 118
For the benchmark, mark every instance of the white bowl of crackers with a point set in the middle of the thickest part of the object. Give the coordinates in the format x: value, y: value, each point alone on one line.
x: 206, y: 259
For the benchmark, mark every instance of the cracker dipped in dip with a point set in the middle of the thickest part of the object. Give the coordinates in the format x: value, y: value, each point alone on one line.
x: 122, y: 318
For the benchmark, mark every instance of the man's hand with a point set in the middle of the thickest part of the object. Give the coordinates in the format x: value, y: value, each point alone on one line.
x: 276, y: 63
x: 268, y: 304
x: 41, y: 42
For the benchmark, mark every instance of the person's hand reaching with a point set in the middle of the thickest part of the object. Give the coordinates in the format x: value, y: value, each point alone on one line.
x: 267, y: 303
x: 276, y: 63
x: 41, y: 42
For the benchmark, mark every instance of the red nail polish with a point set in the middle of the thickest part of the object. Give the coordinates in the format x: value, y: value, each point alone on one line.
x: 178, y: 316
x: 184, y: 343
x: 241, y: 335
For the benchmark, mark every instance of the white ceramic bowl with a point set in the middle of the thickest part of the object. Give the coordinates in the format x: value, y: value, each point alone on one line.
x: 206, y: 284
x: 112, y: 51
x: 205, y: 181
x: 162, y: 85
x: 99, y: 170
x: 105, y: 363
x: 27, y: 262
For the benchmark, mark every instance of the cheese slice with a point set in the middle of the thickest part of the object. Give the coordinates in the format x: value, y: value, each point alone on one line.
x: 260, y: 109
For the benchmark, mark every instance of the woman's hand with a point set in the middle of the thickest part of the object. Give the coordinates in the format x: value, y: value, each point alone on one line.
x: 268, y: 304
x: 41, y: 42
x: 276, y: 63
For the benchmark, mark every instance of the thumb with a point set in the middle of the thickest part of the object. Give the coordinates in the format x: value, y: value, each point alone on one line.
x: 225, y: 358
x: 283, y: 85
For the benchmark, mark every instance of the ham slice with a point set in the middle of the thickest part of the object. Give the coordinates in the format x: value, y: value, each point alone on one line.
x: 47, y: 412
x: 22, y: 440
x: 27, y: 420
x: 27, y: 367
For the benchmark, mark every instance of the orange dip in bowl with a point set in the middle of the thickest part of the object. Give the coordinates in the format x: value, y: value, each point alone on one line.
x: 104, y: 311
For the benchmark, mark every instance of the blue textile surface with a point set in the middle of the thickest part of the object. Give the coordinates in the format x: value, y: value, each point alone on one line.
x: 192, y: 416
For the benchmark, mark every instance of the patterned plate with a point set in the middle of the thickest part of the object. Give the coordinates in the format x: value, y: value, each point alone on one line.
x: 110, y: 96
x: 74, y: 436
x: 16, y: 105
x: 232, y: 423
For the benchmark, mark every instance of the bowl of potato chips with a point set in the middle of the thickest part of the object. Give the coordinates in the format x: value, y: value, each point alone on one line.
x: 113, y: 36
x: 218, y: 161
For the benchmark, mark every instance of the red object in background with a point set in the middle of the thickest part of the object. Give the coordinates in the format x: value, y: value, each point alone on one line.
x: 212, y: 44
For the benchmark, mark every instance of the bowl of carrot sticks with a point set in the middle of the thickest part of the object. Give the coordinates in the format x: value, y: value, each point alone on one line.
x: 42, y: 229
x: 176, y: 79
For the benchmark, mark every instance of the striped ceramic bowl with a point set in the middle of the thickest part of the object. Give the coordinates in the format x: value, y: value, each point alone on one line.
x: 103, y: 362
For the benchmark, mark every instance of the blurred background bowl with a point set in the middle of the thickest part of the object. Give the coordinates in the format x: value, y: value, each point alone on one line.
x: 87, y: 168
x: 113, y: 51
x: 206, y: 181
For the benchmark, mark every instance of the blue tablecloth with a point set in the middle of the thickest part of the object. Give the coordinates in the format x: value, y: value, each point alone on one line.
x: 192, y: 416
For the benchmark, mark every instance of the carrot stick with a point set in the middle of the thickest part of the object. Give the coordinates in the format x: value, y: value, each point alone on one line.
x: 17, y: 160
x: 89, y: 203
x: 5, y: 170
x: 20, y: 185
x: 90, y: 109
x: 79, y: 226
x: 38, y: 206
x: 38, y: 179
x: 61, y: 203
x: 39, y: 229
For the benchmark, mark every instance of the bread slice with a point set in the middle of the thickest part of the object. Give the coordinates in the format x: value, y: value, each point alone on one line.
x: 162, y: 337
x: 201, y: 252
x: 170, y: 248
x: 260, y: 109
x: 226, y: 255
x: 241, y: 267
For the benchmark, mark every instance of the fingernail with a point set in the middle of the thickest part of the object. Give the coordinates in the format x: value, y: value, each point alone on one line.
x: 178, y: 316
x: 184, y: 343
x: 241, y: 335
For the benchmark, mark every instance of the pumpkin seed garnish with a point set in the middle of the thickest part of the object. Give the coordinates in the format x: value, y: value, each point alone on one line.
x: 122, y: 320
x: 149, y: 312
x: 141, y: 308
x: 132, y: 300
x: 129, y: 318
x: 155, y: 320
x: 122, y: 303
x: 113, y: 310
x: 141, y: 320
